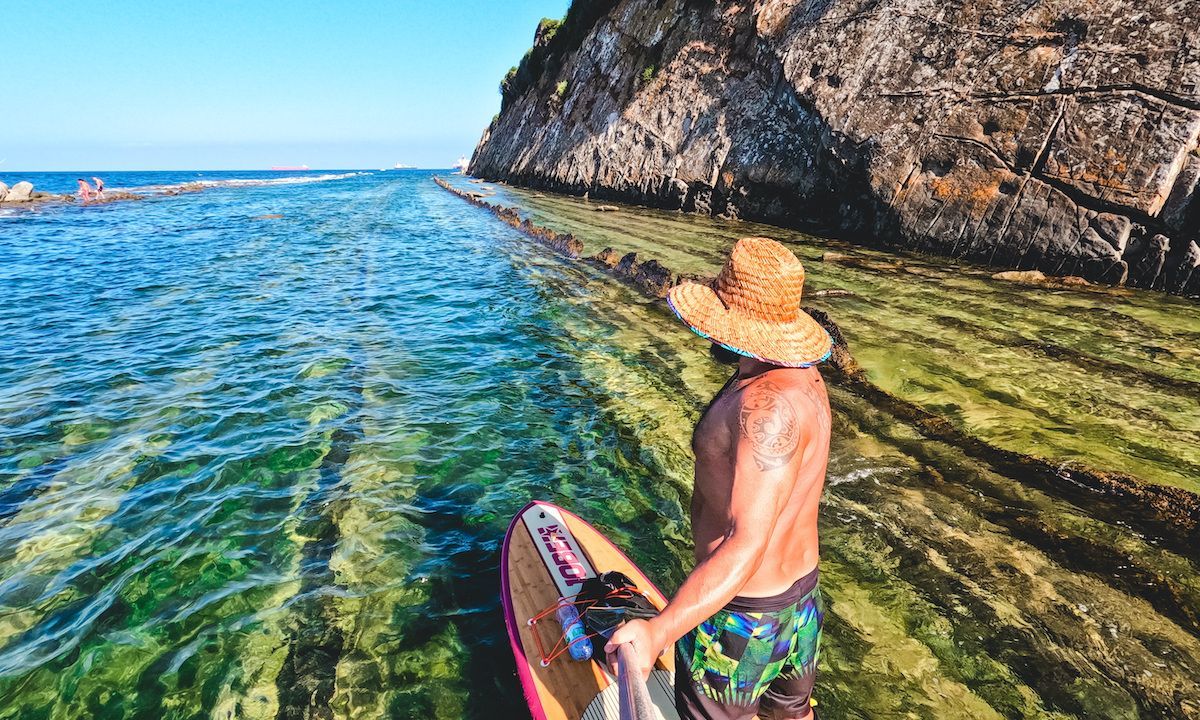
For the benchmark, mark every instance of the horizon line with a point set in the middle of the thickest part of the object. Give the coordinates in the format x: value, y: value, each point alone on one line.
x: 255, y: 169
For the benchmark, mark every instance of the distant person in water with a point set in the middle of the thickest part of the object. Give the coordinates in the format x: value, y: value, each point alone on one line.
x: 85, y: 190
x: 99, y: 187
x: 746, y: 624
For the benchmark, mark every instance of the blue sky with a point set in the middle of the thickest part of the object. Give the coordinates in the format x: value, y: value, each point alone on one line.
x: 133, y: 84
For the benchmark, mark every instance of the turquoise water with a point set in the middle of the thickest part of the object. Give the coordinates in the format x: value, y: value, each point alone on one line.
x: 261, y: 468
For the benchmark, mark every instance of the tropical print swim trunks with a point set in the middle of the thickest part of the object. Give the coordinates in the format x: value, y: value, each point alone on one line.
x: 756, y: 657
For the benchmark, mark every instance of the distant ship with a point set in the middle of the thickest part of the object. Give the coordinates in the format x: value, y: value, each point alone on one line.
x: 289, y: 167
x: 460, y: 165
x: 401, y: 166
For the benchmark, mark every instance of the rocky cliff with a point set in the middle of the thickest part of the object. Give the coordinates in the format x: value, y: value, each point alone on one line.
x: 1059, y: 135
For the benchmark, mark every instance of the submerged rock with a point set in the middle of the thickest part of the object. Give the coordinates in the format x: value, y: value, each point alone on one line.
x: 38, y: 197
x: 649, y: 276
x: 871, y: 263
x: 840, y: 358
x: 833, y: 292
x: 1037, y: 277
x: 627, y: 264
x: 607, y: 257
x: 111, y: 196
x: 565, y: 243
x: 190, y: 187
x: 1034, y: 277
x: 696, y: 278
x: 1057, y: 136
x: 654, y: 278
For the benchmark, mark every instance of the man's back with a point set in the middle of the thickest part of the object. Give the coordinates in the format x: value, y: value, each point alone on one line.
x: 783, y: 415
x: 746, y: 623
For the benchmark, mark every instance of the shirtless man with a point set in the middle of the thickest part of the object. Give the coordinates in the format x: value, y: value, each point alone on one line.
x: 746, y: 623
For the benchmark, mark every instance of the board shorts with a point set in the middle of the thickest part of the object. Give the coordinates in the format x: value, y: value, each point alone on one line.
x: 756, y: 657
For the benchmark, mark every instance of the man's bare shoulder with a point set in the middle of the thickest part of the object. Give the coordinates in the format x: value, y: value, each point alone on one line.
x: 795, y: 389
x: 769, y: 420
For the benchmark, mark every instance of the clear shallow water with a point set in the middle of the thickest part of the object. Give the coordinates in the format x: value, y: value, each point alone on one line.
x: 1109, y: 378
x: 249, y: 465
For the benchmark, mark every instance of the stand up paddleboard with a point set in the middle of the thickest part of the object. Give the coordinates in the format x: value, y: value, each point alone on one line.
x: 548, y: 552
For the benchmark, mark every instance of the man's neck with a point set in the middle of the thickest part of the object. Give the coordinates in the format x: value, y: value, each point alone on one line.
x: 751, y: 367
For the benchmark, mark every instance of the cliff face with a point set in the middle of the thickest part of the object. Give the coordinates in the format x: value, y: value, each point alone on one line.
x: 1057, y: 135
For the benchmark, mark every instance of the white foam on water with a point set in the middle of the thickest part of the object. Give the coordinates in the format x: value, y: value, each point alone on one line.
x: 245, y: 182
x: 870, y: 473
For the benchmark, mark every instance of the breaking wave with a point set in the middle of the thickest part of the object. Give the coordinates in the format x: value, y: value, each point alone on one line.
x: 243, y: 182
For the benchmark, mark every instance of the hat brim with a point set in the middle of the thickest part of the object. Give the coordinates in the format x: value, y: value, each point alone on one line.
x: 799, y: 343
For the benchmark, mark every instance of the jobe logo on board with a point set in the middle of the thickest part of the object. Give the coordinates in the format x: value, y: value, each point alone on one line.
x: 564, y: 558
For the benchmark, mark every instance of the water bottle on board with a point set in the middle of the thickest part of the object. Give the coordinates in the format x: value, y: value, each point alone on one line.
x: 568, y: 617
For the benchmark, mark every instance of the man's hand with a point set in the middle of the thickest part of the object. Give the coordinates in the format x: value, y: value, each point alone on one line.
x: 647, y: 645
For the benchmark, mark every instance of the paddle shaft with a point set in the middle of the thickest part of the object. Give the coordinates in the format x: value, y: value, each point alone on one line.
x: 635, y: 696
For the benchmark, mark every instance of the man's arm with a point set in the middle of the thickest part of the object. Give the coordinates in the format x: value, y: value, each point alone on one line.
x: 769, y: 436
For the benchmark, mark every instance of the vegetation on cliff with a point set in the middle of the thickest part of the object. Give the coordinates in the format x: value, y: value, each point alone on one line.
x: 552, y: 42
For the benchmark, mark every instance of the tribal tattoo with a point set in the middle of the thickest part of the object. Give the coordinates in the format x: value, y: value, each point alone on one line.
x: 770, y: 424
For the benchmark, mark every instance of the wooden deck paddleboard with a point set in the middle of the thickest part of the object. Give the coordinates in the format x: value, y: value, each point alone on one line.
x: 548, y: 552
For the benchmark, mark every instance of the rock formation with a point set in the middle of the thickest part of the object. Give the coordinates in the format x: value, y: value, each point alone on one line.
x: 23, y: 194
x: 564, y: 243
x: 1057, y: 135
x: 20, y: 192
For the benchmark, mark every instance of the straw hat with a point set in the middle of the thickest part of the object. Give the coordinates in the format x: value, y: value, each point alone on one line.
x: 753, y: 307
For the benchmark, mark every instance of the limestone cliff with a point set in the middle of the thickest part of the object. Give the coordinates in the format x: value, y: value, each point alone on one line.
x: 1051, y: 134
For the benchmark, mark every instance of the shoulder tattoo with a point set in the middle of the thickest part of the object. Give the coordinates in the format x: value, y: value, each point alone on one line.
x: 770, y: 425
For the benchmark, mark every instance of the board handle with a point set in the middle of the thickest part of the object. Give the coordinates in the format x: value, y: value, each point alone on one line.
x: 634, y: 695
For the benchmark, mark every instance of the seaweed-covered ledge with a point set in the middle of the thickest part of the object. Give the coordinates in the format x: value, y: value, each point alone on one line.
x: 1169, y: 512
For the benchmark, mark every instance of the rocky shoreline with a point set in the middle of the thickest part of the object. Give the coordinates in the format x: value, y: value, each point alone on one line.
x: 23, y: 195
x: 1059, y: 137
x: 1173, y: 513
